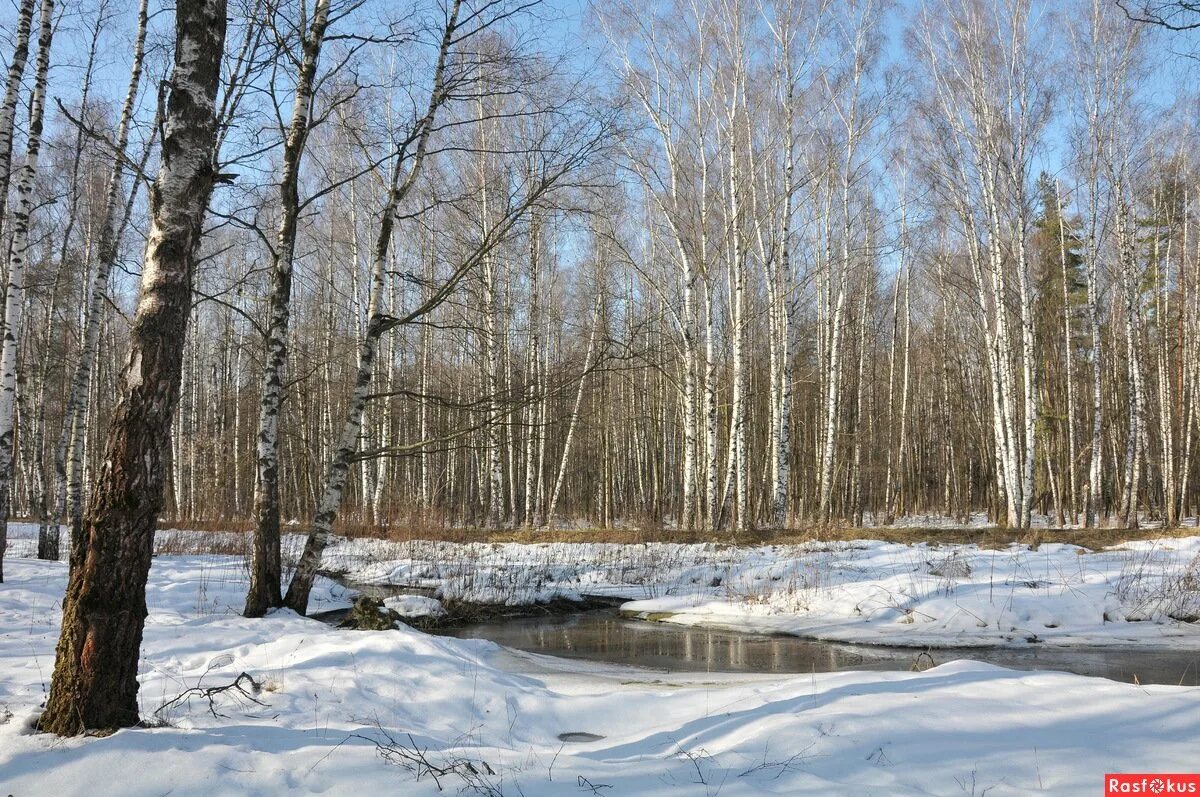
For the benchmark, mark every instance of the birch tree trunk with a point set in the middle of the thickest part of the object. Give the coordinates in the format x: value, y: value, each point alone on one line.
x: 572, y: 422
x: 491, y: 347
x: 533, y: 429
x: 265, y: 566
x: 889, y: 479
x: 1135, y: 430
x: 899, y: 507
x: 401, y: 184
x: 738, y: 433
x: 1068, y: 365
x: 712, y: 501
x: 94, y: 685
x: 8, y: 111
x: 856, y: 492
x: 338, y: 469
x: 1029, y: 377
x: 1095, y: 486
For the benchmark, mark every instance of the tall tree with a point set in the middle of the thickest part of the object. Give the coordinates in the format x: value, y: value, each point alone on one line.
x: 407, y: 160
x: 12, y: 88
x: 265, y: 570
x: 94, y: 685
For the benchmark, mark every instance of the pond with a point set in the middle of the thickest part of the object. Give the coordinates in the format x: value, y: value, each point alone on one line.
x: 602, y: 635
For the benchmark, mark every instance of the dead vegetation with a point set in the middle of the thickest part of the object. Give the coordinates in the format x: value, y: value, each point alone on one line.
x: 243, y: 691
x: 474, y: 776
x: 232, y: 537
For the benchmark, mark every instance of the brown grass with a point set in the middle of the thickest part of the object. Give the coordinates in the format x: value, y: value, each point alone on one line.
x: 984, y: 537
x: 1093, y: 539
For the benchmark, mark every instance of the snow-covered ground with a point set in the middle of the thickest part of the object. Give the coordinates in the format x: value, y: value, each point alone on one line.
x: 1144, y: 592
x: 1139, y: 593
x: 342, y: 712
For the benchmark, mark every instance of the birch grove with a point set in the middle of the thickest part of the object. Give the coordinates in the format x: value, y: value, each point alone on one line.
x: 747, y: 266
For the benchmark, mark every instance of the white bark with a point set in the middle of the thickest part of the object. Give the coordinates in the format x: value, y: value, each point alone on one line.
x: 8, y: 111
x: 19, y: 250
x: 265, y: 563
x: 1068, y: 365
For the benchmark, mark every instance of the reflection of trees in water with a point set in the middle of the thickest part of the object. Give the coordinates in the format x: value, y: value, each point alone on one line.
x: 601, y: 636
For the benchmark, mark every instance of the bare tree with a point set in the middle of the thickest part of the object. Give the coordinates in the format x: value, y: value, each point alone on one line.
x: 1170, y: 14
x: 12, y: 88
x: 265, y: 569
x: 68, y: 452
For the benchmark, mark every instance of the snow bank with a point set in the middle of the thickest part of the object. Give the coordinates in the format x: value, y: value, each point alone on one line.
x: 415, y: 606
x: 1145, y: 592
x: 335, y: 707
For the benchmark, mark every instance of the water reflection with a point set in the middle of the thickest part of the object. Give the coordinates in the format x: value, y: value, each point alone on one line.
x: 604, y: 636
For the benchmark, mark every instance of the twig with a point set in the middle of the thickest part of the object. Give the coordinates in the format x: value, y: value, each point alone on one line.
x: 238, y: 687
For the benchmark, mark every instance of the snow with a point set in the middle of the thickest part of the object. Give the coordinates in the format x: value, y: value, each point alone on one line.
x: 980, y: 520
x: 953, y: 595
x: 330, y: 696
x: 1140, y: 593
x: 415, y: 606
x: 1143, y: 592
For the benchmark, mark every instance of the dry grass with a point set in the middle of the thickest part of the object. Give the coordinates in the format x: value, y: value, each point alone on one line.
x: 989, y: 537
x: 1093, y: 539
x: 171, y: 541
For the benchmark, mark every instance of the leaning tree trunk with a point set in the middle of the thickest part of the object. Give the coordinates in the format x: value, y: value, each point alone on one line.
x: 265, y: 568
x: 19, y: 249
x: 104, y: 611
x: 338, y: 470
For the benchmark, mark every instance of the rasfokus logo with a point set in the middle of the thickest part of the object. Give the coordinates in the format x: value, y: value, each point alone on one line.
x: 1151, y: 783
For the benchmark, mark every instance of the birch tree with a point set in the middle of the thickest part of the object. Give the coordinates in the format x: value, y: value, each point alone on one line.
x: 94, y: 684
x: 1104, y: 56
x: 557, y: 145
x: 992, y: 109
x: 12, y: 90
x: 265, y: 564
x: 68, y: 451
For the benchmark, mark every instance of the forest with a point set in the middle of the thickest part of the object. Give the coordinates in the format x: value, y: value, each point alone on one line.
x: 542, y: 397
x: 712, y: 266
